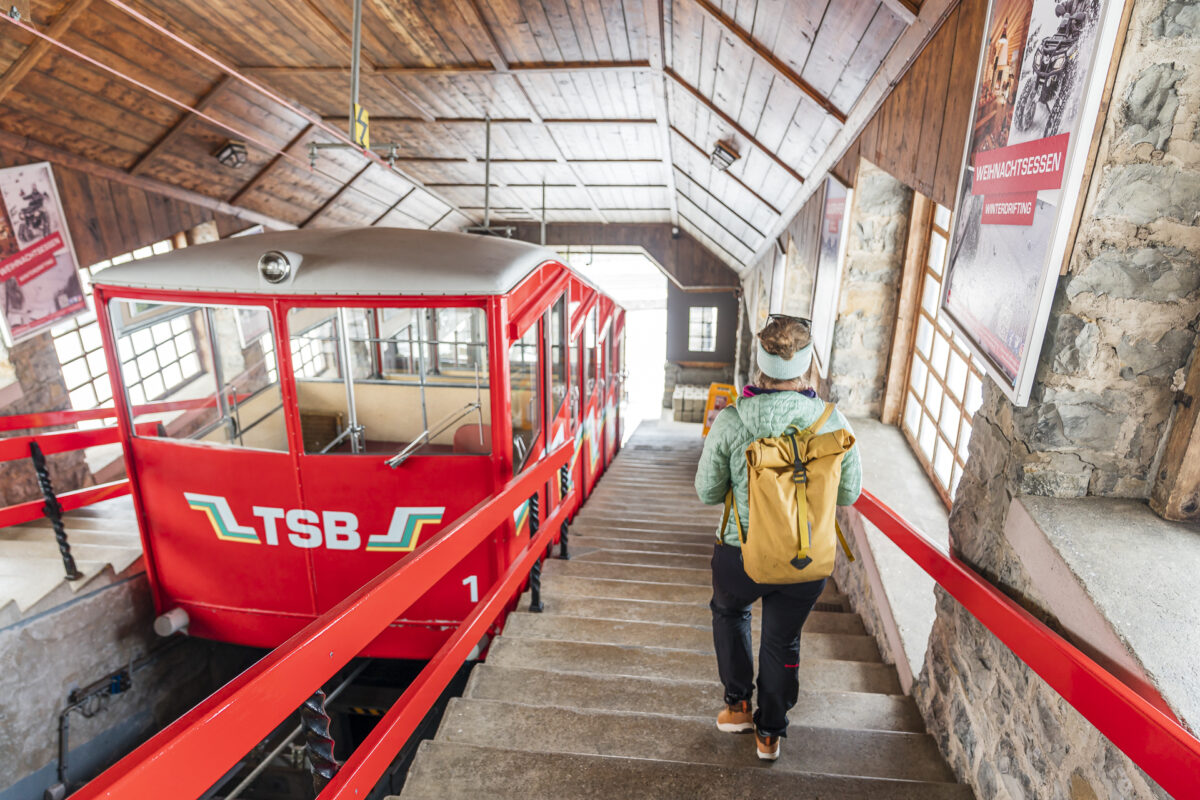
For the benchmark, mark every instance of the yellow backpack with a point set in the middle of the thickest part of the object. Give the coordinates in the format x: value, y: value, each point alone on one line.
x: 793, y: 487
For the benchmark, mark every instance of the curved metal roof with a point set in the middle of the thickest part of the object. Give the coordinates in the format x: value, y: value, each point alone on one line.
x: 346, y: 261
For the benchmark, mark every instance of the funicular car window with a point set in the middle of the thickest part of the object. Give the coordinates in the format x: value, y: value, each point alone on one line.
x: 417, y: 381
x: 523, y: 394
x: 589, y: 353
x: 204, y: 373
x: 557, y: 335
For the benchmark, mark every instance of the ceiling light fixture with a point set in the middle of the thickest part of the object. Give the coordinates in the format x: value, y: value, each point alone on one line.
x: 723, y: 155
x: 232, y: 154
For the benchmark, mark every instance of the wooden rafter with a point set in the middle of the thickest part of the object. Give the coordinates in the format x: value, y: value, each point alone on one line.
x: 717, y: 200
x: 171, y: 136
x: 393, y: 206
x: 45, y: 152
x: 336, y: 196
x: 451, y: 70
x: 262, y: 174
x: 29, y: 59
x: 783, y: 70
x: 477, y: 121
x: 655, y: 35
x: 905, y: 10
x: 732, y: 123
x: 726, y: 173
x: 470, y: 10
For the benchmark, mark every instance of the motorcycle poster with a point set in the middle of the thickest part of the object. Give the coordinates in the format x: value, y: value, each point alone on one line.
x: 39, y: 274
x: 1037, y: 94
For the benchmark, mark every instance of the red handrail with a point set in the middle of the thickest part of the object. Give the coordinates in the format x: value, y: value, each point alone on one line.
x: 46, y: 419
x: 196, y: 750
x: 1155, y: 742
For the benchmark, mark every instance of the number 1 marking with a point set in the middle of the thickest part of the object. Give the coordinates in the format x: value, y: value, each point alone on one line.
x: 473, y: 582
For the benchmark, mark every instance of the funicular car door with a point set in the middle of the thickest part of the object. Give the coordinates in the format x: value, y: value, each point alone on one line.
x: 392, y: 411
x: 591, y: 399
x: 198, y: 389
x: 615, y: 383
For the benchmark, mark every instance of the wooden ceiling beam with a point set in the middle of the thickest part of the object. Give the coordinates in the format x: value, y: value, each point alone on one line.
x: 731, y: 122
x: 451, y: 70
x: 262, y: 174
x: 479, y: 121
x: 717, y: 200
x: 655, y: 36
x: 336, y: 196
x: 905, y: 10
x: 726, y: 173
x: 783, y: 70
x: 393, y: 206
x: 38, y: 48
x: 172, y: 136
x: 45, y: 152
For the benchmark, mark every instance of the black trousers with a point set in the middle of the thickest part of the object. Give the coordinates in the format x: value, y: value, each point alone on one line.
x: 784, y: 609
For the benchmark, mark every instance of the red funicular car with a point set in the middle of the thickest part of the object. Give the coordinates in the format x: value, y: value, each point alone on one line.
x: 322, y: 402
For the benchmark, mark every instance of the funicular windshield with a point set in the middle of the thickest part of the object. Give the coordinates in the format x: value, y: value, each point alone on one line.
x: 204, y: 373
x: 416, y: 380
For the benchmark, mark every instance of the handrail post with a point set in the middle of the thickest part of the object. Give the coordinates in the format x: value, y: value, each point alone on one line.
x: 318, y: 743
x: 53, y: 511
x: 535, y: 572
x: 564, y: 483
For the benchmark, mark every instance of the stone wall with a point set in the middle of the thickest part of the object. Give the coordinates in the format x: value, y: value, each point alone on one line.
x: 877, y: 230
x: 1122, y: 330
x: 676, y: 374
x: 43, y: 658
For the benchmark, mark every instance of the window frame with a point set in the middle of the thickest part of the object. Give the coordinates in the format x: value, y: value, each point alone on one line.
x: 702, y: 335
x: 939, y: 327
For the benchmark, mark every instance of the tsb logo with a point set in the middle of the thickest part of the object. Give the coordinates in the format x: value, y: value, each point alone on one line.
x: 336, y: 530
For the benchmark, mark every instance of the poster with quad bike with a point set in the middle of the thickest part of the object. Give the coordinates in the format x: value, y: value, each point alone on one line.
x: 39, y: 274
x: 1037, y: 95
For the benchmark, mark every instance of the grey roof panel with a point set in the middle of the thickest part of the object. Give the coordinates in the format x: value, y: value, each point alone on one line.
x: 346, y: 261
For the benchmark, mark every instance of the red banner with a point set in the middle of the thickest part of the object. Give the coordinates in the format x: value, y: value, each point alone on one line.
x: 1009, y: 209
x: 1021, y: 168
x: 33, y: 260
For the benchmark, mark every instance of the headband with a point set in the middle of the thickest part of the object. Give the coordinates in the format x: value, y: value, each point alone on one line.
x: 785, y: 369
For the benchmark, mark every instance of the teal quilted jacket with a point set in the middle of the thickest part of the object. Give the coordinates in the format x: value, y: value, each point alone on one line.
x: 724, y: 456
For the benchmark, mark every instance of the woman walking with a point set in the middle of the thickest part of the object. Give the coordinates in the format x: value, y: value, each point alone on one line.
x: 780, y: 400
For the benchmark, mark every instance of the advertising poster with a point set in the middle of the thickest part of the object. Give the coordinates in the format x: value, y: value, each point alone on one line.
x: 830, y: 257
x: 39, y: 276
x: 1042, y: 70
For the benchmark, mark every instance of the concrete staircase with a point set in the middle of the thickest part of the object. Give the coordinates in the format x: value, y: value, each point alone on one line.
x: 612, y: 691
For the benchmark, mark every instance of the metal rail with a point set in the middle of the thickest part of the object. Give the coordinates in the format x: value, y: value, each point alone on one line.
x: 1155, y: 742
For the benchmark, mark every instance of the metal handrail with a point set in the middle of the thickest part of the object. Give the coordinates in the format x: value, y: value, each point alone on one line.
x: 195, y: 751
x: 424, y: 436
x: 1153, y: 740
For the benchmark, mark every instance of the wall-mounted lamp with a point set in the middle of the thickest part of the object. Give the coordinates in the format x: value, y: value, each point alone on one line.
x: 232, y: 154
x: 723, y: 156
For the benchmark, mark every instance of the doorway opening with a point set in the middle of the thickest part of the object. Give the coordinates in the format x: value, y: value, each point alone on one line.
x: 640, y: 287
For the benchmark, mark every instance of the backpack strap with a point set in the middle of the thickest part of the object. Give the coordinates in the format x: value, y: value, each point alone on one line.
x: 821, y: 420
x: 731, y: 502
x: 842, y: 539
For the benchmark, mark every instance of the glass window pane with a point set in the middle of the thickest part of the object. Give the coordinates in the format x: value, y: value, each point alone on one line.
x: 956, y: 375
x: 83, y: 398
x: 96, y: 364
x: 941, y: 348
x: 912, y: 413
x: 933, y: 397
x: 928, y: 436
x: 68, y: 347
x: 916, y: 377
x: 929, y: 297
x: 955, y: 477
x: 974, y: 398
x: 949, y: 418
x: 589, y: 353
x: 924, y: 336
x: 557, y: 334
x: 941, y: 217
x: 702, y: 329
x: 75, y: 373
x: 215, y: 393
x: 943, y: 462
x: 937, y: 252
x: 523, y: 390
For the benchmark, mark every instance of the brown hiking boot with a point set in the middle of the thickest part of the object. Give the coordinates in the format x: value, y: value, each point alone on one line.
x: 768, y: 746
x: 736, y: 718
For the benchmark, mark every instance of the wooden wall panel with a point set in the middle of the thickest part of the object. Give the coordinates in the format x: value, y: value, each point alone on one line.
x: 920, y: 129
x: 107, y: 219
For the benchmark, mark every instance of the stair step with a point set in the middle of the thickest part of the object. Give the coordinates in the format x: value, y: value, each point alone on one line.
x: 613, y: 555
x: 448, y: 771
x: 677, y: 575
x: 655, y: 662
x: 524, y: 625
x: 829, y: 751
x: 696, y: 614
x: 617, y: 589
x: 585, y: 528
x: 582, y: 545
x: 700, y: 699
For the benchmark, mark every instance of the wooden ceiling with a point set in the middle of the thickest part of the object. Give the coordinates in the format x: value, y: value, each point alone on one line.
x: 614, y: 104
